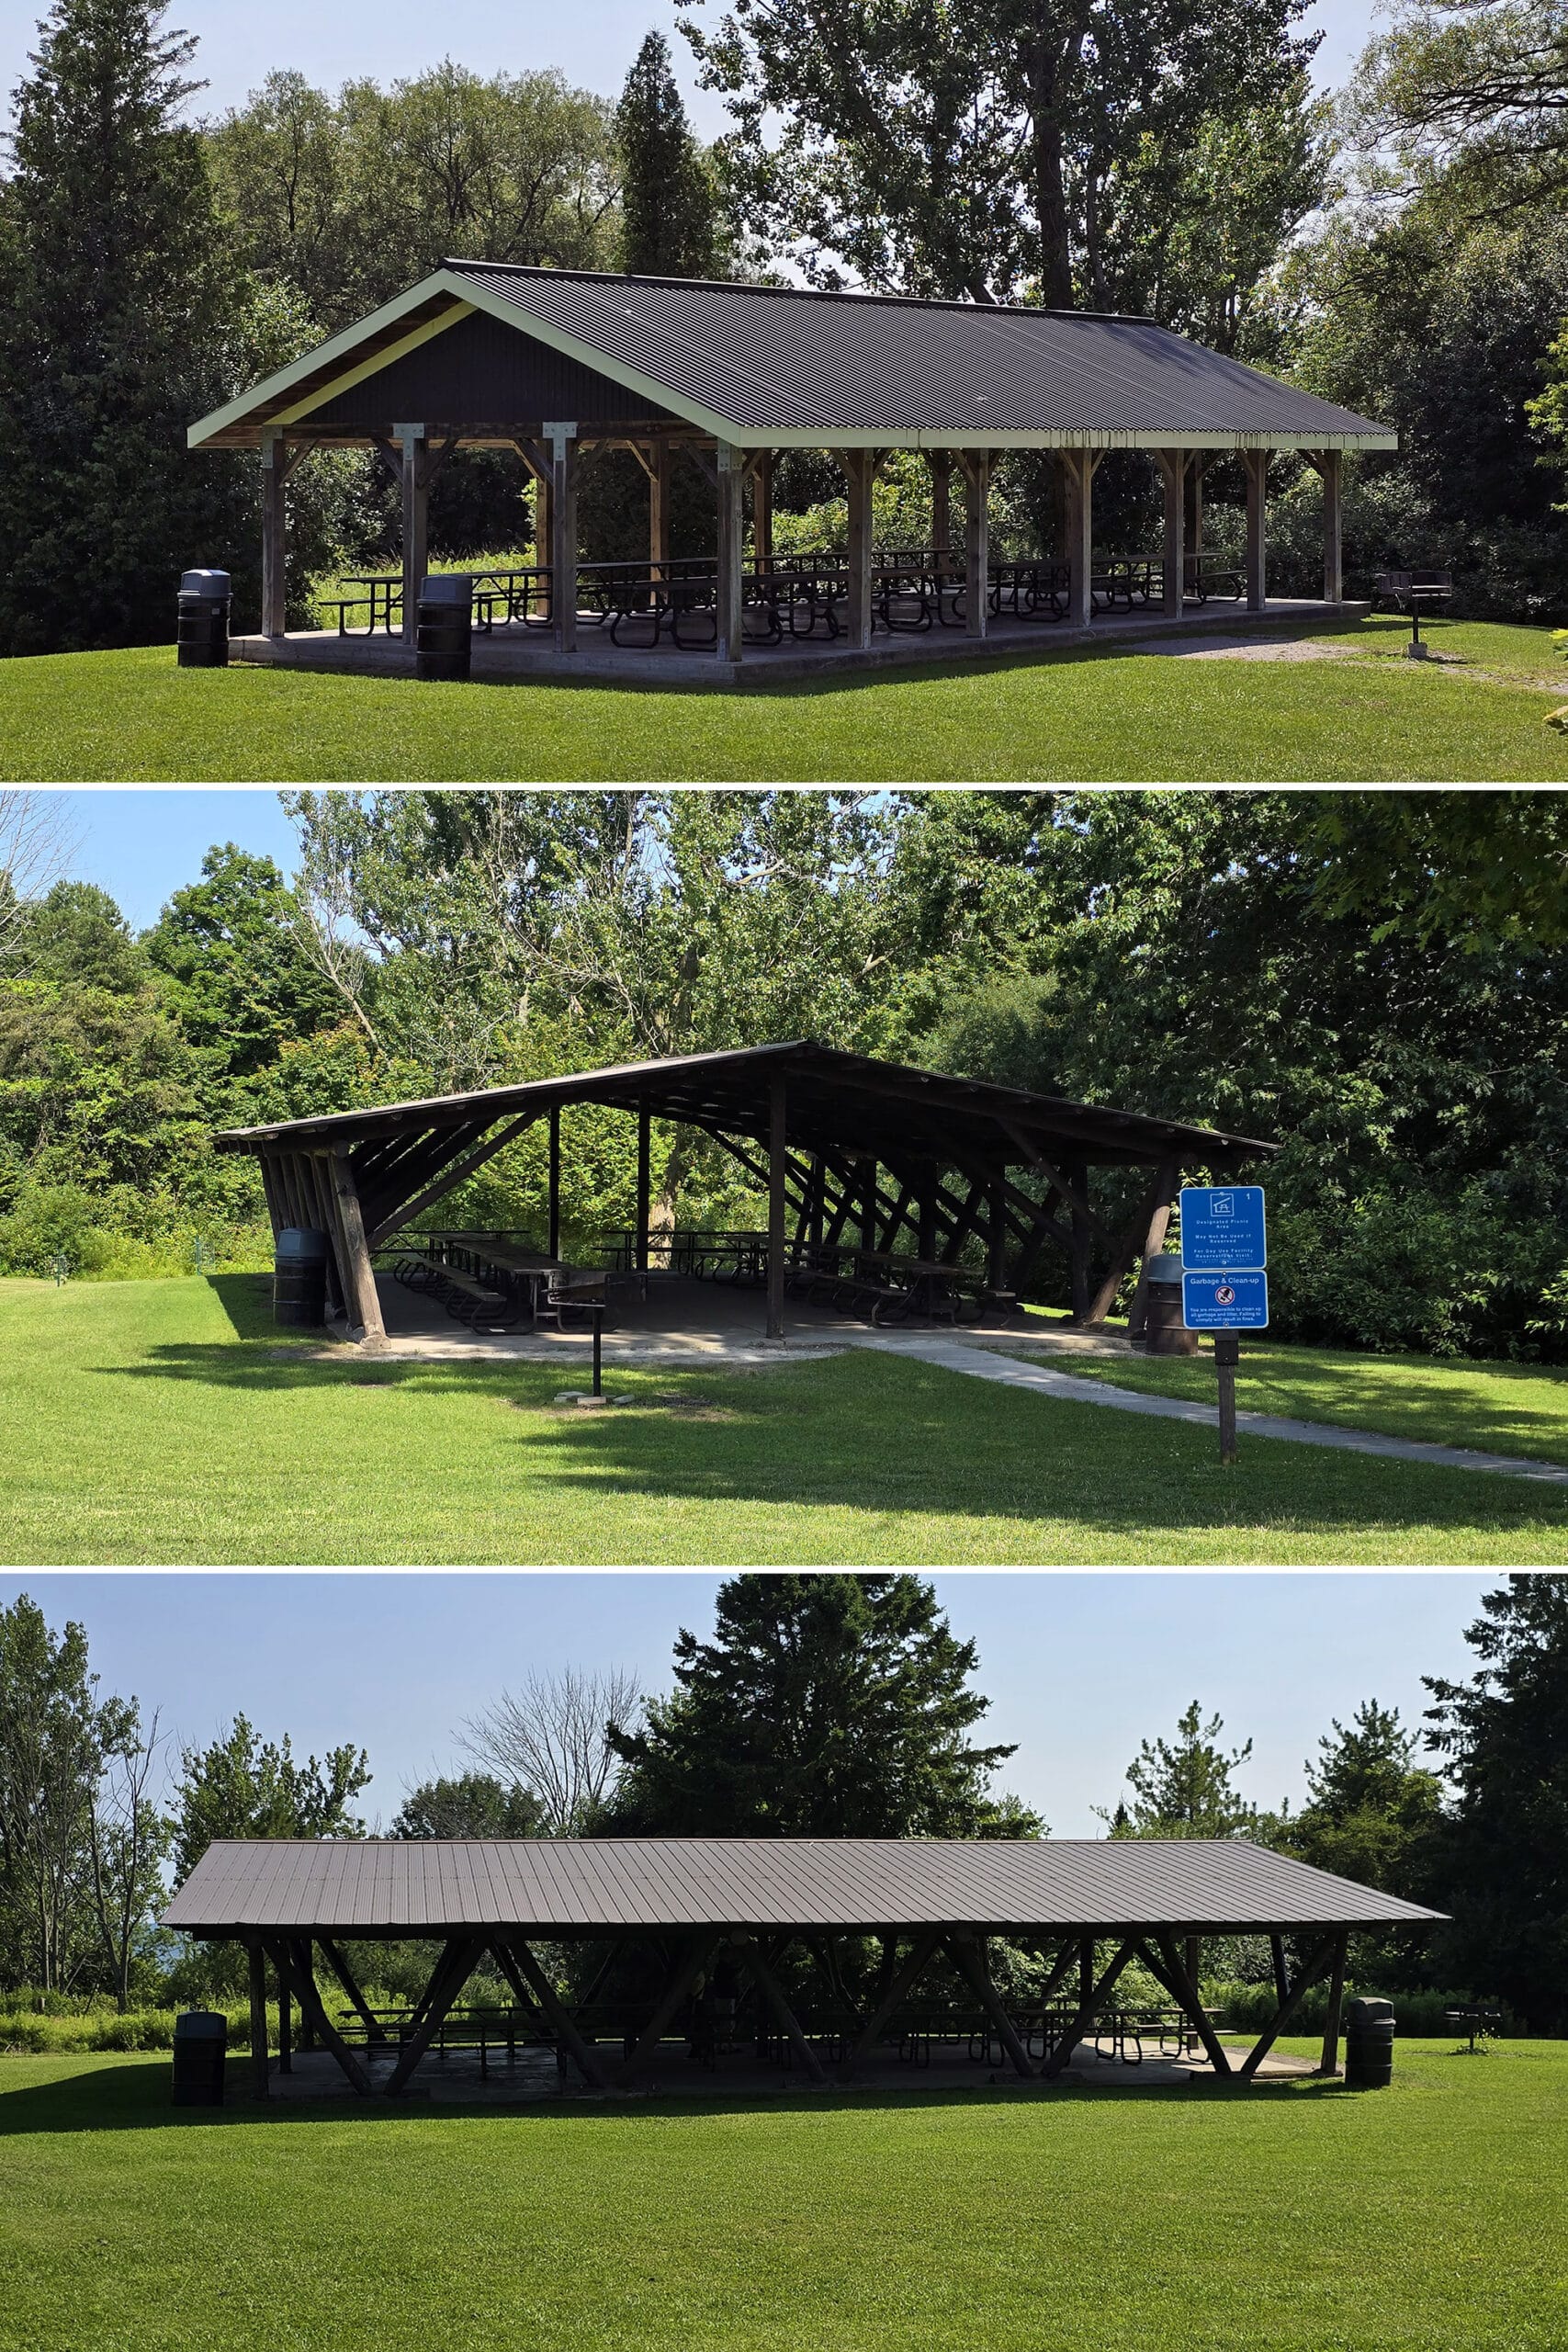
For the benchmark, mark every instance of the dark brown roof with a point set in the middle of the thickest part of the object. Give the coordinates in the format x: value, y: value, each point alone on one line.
x: 783, y: 366
x: 568, y: 1885
x: 837, y: 1101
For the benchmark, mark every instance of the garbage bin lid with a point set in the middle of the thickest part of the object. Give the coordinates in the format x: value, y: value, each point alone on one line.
x: 1163, y: 1269
x: 202, y: 2025
x: 206, y: 583
x: 447, y: 588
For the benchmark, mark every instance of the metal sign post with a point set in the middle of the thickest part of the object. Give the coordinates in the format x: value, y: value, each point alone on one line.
x: 1224, y: 1285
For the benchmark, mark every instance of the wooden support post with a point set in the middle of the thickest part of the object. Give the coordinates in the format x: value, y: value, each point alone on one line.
x: 728, y: 628
x: 1173, y: 466
x: 259, y: 2021
x: 896, y: 1989
x: 544, y: 541
x: 562, y: 443
x: 967, y: 1960
x: 1281, y: 1973
x: 1328, y: 2063
x: 778, y: 1147
x: 1256, y: 464
x: 644, y: 1185
x: 1077, y: 1200
x: 1143, y: 1239
x: 554, y: 1249
x: 941, y: 463
x: 300, y: 1966
x: 996, y: 1238
x: 451, y: 1972
x: 410, y: 440
x: 860, y: 467
x: 977, y: 466
x: 1291, y: 2002
x: 560, y: 2024
x: 356, y: 2001
x: 1180, y: 1979
x: 275, y: 533
x: 1195, y: 470
x: 762, y: 511
x: 773, y: 1992
x: 361, y: 1301
x: 326, y: 2032
x: 284, y: 2036
x: 1079, y: 470
x: 660, y: 460
x: 1330, y: 465
x: 1091, y: 1998
x: 682, y: 1977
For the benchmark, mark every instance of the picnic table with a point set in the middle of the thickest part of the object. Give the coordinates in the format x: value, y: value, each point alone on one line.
x: 890, y: 1285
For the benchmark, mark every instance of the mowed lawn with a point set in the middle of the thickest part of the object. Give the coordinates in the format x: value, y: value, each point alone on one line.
x: 168, y: 1422
x: 1119, y: 715
x: 1429, y: 2217
x: 1516, y: 1408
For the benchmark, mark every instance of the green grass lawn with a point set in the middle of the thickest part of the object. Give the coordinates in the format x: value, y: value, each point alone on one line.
x: 1429, y: 2217
x: 164, y: 1422
x: 1124, y: 716
x: 1500, y: 1407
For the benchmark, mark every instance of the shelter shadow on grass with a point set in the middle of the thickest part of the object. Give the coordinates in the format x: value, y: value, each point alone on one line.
x: 885, y: 1435
x: 136, y: 2098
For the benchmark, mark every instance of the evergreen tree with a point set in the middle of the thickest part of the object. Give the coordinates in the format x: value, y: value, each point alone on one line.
x: 1184, y: 1788
x: 1503, y: 1869
x: 119, y: 306
x: 825, y: 1706
x: 668, y: 207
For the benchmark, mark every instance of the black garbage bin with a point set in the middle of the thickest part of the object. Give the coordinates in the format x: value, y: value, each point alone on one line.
x: 202, y: 2037
x: 1155, y: 1325
x: 299, y: 1278
x: 443, y: 629
x: 1369, y: 2044
x: 203, y: 642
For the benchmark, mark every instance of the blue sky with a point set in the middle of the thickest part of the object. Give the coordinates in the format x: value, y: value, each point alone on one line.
x: 593, y: 46
x: 1078, y: 1667
x: 141, y: 846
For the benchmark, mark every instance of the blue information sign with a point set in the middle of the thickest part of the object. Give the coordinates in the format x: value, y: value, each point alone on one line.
x: 1222, y: 1225
x: 1225, y: 1302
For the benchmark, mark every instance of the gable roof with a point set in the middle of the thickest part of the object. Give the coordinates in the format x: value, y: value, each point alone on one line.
x: 786, y: 367
x: 575, y: 1885
x: 835, y: 1099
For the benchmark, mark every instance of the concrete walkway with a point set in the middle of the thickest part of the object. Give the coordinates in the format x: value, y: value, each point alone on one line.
x: 982, y: 1364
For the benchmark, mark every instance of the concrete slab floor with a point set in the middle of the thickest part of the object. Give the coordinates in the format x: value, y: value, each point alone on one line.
x: 459, y: 2078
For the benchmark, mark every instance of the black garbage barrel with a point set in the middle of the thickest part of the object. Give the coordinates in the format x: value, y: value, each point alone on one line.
x: 202, y: 2037
x: 203, y: 641
x: 299, y: 1279
x: 1369, y: 2044
x: 444, y: 628
x: 1163, y: 1332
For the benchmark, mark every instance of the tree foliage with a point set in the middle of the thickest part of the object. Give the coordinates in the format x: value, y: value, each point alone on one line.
x: 243, y: 1786
x: 824, y: 1705
x: 945, y: 151
x: 1504, y: 1734
x: 467, y: 1805
x: 670, y: 219
x: 1186, y: 1787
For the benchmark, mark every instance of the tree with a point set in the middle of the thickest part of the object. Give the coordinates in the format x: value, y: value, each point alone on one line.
x: 550, y: 1743
x: 668, y: 207
x: 825, y: 1706
x: 242, y: 1787
x: 129, y: 1839
x: 1371, y: 1812
x: 1503, y: 1863
x: 1185, y: 1788
x: 975, y: 150
x: 1476, y: 90
x: 121, y: 317
x: 56, y: 1738
x: 34, y: 846
x: 241, y: 982
x: 472, y: 1804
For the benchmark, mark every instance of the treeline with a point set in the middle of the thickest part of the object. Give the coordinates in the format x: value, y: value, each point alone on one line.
x: 1402, y: 249
x: 1375, y: 981
x: 821, y: 1705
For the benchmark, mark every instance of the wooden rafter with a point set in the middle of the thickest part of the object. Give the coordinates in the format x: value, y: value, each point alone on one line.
x: 562, y: 2026
x: 699, y: 1951
x: 1321, y: 1959
x: 310, y: 2001
x: 773, y: 1992
x: 966, y: 1957
x: 458, y: 1958
x: 900, y: 1985
x: 1170, y: 1970
x: 1090, y: 2000
x: 450, y: 1177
